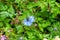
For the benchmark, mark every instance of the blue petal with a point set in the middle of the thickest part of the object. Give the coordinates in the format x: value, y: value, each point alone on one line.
x: 31, y: 19
x: 27, y: 23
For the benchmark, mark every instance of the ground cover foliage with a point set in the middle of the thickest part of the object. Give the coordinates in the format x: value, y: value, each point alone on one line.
x: 29, y: 19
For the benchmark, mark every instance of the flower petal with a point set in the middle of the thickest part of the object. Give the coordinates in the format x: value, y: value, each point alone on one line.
x: 31, y: 19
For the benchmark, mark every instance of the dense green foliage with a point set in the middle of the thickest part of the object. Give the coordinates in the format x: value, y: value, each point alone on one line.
x: 45, y: 12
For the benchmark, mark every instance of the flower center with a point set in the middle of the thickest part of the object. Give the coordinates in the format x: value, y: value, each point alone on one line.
x: 27, y: 19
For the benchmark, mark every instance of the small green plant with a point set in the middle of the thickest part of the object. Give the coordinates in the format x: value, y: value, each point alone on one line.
x: 29, y: 19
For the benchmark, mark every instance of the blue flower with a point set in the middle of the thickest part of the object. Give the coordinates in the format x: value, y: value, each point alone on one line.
x: 28, y: 21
